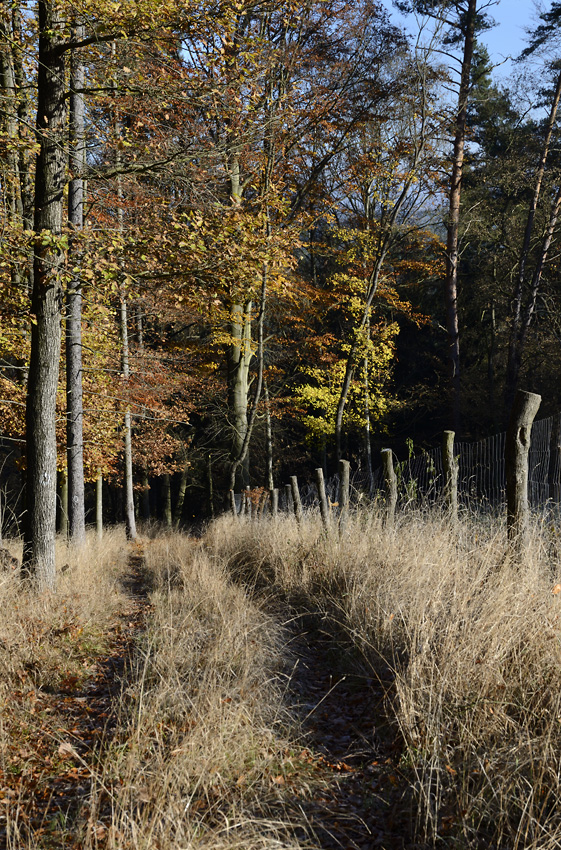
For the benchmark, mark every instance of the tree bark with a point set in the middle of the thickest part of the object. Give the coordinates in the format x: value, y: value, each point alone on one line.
x: 344, y: 492
x: 99, y: 505
x: 239, y: 360
x: 514, y: 353
x: 130, y: 520
x: 40, y: 527
x: 74, y: 394
x: 452, y: 240
x: 166, y: 506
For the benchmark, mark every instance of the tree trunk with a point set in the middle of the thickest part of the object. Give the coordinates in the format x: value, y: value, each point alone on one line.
x: 270, y: 476
x: 239, y: 359
x: 41, y: 449
x: 130, y: 521
x: 166, y: 500
x: 74, y: 395
x: 99, y: 505
x: 63, y: 524
x: 452, y: 241
x: 514, y: 356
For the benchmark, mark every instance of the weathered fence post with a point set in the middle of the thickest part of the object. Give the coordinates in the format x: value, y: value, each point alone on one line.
x: 288, y: 498
x: 296, y: 498
x: 274, y: 494
x: 390, y: 481
x: 517, y: 447
x: 344, y: 492
x: 323, y: 506
x: 450, y: 467
x: 233, y: 507
x: 247, y: 503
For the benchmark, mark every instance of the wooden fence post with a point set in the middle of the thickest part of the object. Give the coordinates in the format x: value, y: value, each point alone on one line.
x: 344, y: 492
x: 296, y: 498
x: 288, y: 498
x: 517, y: 447
x: 390, y: 480
x: 450, y: 467
x: 323, y: 506
x: 274, y: 494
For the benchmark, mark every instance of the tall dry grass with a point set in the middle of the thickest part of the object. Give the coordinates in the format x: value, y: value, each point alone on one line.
x: 472, y: 639
x: 206, y: 749
x: 205, y: 739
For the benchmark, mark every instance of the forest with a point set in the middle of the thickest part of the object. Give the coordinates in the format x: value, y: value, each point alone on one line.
x: 240, y: 239
x: 250, y: 241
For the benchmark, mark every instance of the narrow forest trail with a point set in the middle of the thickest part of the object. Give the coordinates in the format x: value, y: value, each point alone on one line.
x: 366, y: 802
x: 346, y: 793
x: 46, y: 775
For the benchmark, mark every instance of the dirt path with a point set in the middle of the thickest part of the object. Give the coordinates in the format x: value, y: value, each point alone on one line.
x: 46, y: 776
x: 367, y: 802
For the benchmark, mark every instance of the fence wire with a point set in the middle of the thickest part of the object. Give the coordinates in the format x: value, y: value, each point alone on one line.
x: 481, y: 473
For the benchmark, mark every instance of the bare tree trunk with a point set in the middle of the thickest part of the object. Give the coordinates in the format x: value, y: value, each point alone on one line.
x: 178, y: 510
x: 515, y: 359
x: 63, y: 525
x: 270, y: 476
x: 452, y: 241
x: 74, y: 395
x: 166, y: 507
x: 99, y: 505
x: 514, y: 356
x: 130, y: 521
x: 40, y: 526
x: 239, y: 360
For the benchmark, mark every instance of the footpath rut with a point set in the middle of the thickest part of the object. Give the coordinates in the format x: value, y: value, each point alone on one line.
x: 366, y: 804
x: 356, y: 799
x: 46, y: 776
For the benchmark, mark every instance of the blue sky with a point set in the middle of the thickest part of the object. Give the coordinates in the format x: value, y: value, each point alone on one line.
x: 508, y: 37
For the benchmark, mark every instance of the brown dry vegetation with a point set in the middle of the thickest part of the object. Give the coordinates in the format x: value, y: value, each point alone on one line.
x: 206, y: 746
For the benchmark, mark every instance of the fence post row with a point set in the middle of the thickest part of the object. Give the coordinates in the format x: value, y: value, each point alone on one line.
x: 517, y: 447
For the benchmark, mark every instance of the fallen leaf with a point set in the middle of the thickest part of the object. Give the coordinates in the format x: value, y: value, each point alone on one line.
x: 66, y: 750
x: 556, y: 589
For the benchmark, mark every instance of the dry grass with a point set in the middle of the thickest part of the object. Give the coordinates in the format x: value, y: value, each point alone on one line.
x: 206, y: 751
x: 474, y: 642
x: 204, y: 735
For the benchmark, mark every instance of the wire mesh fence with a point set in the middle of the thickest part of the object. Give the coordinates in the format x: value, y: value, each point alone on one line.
x: 481, y: 474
